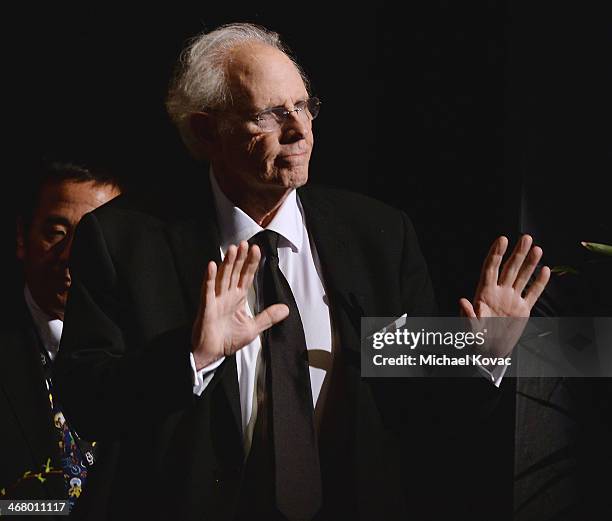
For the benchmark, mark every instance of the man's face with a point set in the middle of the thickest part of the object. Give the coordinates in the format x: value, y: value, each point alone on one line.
x: 261, y: 77
x: 44, y: 247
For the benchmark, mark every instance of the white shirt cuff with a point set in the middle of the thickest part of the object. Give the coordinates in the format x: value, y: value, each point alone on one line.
x: 495, y: 375
x: 202, y: 378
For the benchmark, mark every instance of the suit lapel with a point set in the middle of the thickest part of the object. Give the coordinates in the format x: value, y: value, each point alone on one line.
x: 232, y: 391
x: 23, y: 381
x: 194, y: 238
x: 341, y: 270
x: 194, y: 243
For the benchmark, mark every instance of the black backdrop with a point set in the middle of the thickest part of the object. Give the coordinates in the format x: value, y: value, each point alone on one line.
x: 445, y: 109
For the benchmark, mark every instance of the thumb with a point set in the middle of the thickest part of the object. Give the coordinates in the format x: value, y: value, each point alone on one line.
x: 466, y: 309
x: 270, y: 316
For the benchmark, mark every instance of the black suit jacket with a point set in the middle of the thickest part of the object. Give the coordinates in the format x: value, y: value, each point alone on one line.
x: 28, y: 438
x: 137, y: 270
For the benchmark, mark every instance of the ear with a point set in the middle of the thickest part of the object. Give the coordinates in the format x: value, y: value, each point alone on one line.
x: 204, y: 129
x: 21, y: 239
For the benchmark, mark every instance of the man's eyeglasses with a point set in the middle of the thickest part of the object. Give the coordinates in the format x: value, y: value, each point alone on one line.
x: 273, y: 118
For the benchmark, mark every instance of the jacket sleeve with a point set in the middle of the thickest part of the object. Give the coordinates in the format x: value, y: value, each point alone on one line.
x: 105, y: 384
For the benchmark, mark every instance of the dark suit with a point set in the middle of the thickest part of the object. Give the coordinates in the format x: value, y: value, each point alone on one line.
x: 564, y: 425
x: 137, y: 271
x: 28, y: 438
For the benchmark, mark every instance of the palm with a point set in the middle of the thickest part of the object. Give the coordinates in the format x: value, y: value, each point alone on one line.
x: 500, y: 301
x: 227, y: 324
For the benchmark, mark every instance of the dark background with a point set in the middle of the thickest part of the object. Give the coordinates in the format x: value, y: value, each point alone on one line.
x: 477, y: 118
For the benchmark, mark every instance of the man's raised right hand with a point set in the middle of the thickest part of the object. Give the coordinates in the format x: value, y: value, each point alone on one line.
x: 222, y: 325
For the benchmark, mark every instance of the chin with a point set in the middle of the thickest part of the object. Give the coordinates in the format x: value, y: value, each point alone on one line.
x: 60, y: 300
x: 293, y: 178
x: 281, y: 179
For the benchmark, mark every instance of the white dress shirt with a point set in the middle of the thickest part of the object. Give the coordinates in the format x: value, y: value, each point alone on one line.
x: 49, y: 329
x: 300, y: 265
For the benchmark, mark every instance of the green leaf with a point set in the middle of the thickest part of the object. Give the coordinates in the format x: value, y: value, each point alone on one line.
x: 564, y: 270
x: 597, y: 247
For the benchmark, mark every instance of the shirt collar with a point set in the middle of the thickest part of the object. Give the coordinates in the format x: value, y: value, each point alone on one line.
x: 236, y: 225
x: 49, y: 329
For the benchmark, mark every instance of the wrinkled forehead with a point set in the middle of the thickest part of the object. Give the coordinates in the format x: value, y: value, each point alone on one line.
x: 261, y: 76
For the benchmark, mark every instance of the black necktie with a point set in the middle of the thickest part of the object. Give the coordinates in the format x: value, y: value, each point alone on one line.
x: 296, y: 456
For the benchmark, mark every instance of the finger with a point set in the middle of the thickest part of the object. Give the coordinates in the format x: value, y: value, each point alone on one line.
x: 527, y: 269
x: 514, y: 263
x: 270, y: 316
x: 209, y: 283
x: 466, y: 309
x: 250, y: 267
x: 490, y: 267
x: 536, y: 289
x: 243, y: 249
x: 225, y: 271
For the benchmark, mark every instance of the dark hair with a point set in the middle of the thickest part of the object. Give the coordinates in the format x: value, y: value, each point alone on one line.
x: 56, y: 171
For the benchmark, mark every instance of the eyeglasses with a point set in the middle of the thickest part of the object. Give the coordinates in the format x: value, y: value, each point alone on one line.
x: 273, y: 118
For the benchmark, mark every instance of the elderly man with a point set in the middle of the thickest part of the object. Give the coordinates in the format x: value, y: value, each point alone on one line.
x: 41, y: 454
x: 217, y: 335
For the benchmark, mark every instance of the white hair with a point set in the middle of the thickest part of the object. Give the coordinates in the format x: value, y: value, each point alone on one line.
x: 200, y: 80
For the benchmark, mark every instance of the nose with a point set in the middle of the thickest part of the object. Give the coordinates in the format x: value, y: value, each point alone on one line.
x: 296, y: 126
x: 64, y: 249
